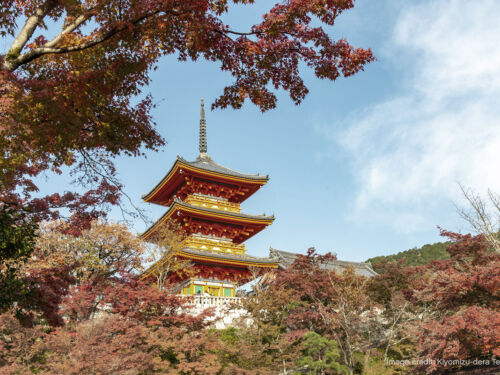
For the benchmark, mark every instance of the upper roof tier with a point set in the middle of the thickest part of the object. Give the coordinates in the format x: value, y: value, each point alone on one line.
x: 204, y: 176
x: 203, y: 161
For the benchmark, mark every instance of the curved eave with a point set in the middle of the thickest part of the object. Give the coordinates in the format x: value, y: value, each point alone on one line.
x: 175, y: 168
x: 175, y: 174
x: 206, y: 213
x: 166, y: 187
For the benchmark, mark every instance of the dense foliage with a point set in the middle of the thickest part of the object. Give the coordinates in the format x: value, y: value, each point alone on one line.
x: 463, y: 294
x: 17, y: 238
x: 426, y: 319
x: 73, y: 78
x: 90, y: 312
x: 414, y: 257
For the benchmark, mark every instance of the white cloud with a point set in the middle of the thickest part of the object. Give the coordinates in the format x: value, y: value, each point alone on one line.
x: 409, y: 152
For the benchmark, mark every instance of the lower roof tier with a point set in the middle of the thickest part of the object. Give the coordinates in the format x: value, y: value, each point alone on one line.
x: 233, y: 267
x: 219, y: 258
x: 237, y: 227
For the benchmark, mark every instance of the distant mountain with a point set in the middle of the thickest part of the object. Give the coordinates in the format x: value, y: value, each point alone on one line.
x: 415, y: 256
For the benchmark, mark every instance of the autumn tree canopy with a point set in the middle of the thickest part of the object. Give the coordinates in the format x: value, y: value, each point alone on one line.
x: 345, y: 323
x: 73, y: 71
x: 85, y: 307
x: 88, y: 312
x: 463, y: 294
x: 101, y: 251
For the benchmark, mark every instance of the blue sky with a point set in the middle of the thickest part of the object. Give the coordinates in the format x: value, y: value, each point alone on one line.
x: 368, y: 165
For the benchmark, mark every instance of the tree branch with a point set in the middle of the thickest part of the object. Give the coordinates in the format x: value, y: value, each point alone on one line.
x: 49, y: 49
x: 72, y: 27
x: 24, y: 35
x: 14, y: 59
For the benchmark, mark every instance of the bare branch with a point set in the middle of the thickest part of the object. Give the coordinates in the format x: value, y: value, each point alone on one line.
x: 495, y: 201
x: 480, y: 217
x: 92, y: 167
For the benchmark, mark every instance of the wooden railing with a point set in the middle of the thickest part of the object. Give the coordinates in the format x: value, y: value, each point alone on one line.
x: 214, y: 301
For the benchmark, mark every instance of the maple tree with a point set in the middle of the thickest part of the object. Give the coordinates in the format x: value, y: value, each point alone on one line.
x: 240, y: 351
x: 268, y: 336
x: 28, y: 293
x: 73, y: 71
x: 464, y: 295
x: 60, y: 261
x: 135, y: 328
x: 102, y: 250
x: 167, y: 241
x: 95, y: 316
x: 398, y: 316
x: 311, y: 315
x: 334, y: 305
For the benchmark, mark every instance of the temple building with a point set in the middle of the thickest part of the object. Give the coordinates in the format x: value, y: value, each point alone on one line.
x: 286, y: 258
x: 204, y: 198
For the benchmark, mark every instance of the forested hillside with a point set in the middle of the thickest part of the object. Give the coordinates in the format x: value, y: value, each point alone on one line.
x: 415, y: 256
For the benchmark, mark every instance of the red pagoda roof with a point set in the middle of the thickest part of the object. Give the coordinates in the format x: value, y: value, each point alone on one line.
x: 180, y: 209
x: 238, y: 186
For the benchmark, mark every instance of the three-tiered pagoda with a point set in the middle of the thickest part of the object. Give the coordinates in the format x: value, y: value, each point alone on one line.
x: 204, y: 198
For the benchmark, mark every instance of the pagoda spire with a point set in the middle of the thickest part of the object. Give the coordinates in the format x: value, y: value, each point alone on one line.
x: 203, y: 131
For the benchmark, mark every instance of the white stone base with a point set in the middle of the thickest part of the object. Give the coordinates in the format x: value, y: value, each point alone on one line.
x: 226, y: 310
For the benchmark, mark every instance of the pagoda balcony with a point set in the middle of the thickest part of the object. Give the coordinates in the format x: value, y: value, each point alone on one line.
x: 211, y: 244
x: 210, y: 301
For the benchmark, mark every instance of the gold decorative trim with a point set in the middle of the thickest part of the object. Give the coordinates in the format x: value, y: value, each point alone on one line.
x: 193, y: 209
x: 207, y: 244
x: 227, y: 261
x: 213, y: 203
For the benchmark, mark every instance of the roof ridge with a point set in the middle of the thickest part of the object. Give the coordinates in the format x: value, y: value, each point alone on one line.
x: 232, y: 170
x: 283, y: 251
x: 333, y: 261
x: 207, y: 160
x: 350, y: 262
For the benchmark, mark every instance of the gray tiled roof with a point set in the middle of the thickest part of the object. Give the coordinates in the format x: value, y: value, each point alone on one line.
x: 286, y: 258
x: 203, y: 161
x: 221, y: 255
